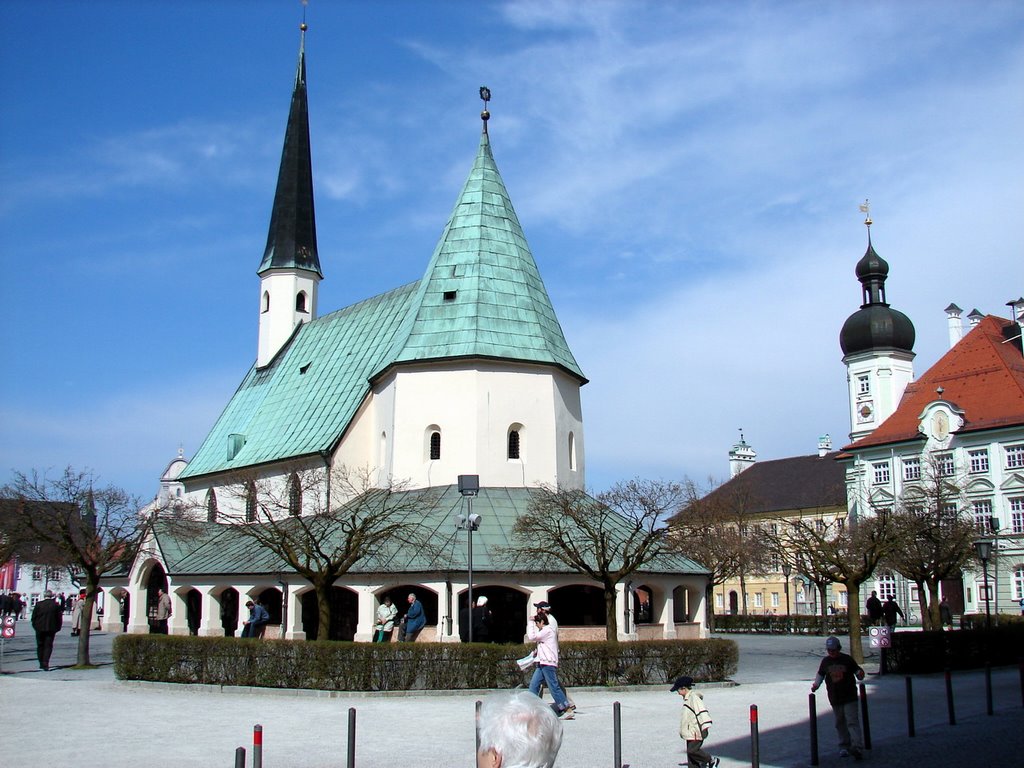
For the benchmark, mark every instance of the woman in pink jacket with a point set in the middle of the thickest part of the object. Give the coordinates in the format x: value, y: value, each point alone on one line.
x: 546, y: 655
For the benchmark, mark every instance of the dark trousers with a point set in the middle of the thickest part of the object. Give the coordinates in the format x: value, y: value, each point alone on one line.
x: 44, y: 647
x: 695, y: 754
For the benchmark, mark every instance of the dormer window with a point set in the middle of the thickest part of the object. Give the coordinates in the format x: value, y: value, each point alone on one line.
x: 449, y: 295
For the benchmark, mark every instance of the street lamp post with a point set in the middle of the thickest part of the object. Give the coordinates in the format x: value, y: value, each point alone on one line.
x: 469, y: 486
x: 984, y: 549
x: 786, y: 570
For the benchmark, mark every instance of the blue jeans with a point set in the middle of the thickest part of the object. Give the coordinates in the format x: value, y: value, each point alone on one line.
x: 549, y: 675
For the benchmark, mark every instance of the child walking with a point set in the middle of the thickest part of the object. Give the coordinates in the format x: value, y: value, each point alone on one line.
x: 694, y: 724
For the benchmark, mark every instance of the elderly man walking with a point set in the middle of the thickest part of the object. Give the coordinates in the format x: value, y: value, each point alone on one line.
x: 46, y: 621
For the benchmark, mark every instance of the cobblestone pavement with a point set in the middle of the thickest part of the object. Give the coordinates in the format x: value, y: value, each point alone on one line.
x: 113, y: 724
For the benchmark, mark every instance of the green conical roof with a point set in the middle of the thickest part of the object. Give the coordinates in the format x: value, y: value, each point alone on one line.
x: 482, y: 294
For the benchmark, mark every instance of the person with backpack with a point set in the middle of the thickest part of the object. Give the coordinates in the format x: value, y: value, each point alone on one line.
x: 694, y: 724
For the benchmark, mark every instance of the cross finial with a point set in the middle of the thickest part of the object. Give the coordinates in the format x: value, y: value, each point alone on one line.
x: 485, y: 96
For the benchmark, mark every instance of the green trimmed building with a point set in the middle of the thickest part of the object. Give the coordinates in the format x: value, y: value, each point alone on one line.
x: 464, y: 371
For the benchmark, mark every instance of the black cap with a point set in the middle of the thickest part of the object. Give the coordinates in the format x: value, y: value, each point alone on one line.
x: 542, y: 604
x: 682, y: 682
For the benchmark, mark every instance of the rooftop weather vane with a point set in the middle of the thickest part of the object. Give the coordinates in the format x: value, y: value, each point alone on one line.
x: 485, y: 96
x: 865, y: 208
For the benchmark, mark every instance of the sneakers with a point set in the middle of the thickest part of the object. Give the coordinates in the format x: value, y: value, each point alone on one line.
x: 714, y: 762
x: 857, y: 754
x: 844, y: 753
x: 567, y: 714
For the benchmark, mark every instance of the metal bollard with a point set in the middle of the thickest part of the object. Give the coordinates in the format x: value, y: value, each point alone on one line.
x: 865, y: 720
x: 910, y: 708
x: 617, y: 734
x: 477, y: 729
x: 949, y: 697
x: 240, y: 757
x: 755, y: 740
x: 257, y: 746
x: 813, y: 718
x: 351, y: 737
x: 988, y: 689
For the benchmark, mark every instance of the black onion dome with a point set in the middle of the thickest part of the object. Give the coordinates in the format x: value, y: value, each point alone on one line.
x: 872, y: 265
x: 877, y: 326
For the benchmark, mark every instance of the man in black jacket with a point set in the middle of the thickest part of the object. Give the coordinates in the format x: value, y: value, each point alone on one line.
x: 46, y: 621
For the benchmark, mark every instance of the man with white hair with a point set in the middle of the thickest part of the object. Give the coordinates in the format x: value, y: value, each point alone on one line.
x: 517, y: 730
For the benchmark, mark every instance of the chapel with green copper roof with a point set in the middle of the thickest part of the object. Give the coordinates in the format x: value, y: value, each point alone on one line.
x: 463, y: 372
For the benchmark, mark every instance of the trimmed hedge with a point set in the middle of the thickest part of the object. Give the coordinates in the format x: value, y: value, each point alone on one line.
x: 836, y: 624
x: 336, y: 666
x: 923, y: 652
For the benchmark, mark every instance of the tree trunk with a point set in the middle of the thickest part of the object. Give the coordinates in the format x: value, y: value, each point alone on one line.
x: 611, y: 624
x: 323, y: 604
x: 743, y: 592
x: 709, y: 606
x: 91, y: 590
x: 822, y: 589
x: 923, y: 608
x: 853, y: 612
x: 934, y: 614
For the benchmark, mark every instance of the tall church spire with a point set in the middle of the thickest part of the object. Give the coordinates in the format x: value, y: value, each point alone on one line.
x: 291, y: 242
x: 290, y: 272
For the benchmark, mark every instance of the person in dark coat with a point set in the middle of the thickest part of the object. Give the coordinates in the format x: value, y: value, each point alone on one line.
x: 46, y: 621
x: 874, y: 606
x: 481, y: 621
x: 890, y: 610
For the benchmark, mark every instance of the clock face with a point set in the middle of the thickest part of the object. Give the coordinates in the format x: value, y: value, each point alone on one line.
x: 864, y: 411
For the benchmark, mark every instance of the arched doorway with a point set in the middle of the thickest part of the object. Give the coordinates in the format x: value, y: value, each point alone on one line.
x: 400, y: 598
x: 229, y: 611
x: 508, y: 612
x: 577, y: 605
x: 156, y: 581
x: 734, y: 603
x: 643, y: 607
x: 344, y: 613
x: 193, y: 610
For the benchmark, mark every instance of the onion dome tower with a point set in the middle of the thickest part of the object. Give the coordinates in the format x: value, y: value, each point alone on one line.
x: 877, y: 343
x: 290, y: 270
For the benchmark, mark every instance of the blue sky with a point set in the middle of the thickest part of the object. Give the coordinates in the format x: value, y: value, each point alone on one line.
x: 687, y: 174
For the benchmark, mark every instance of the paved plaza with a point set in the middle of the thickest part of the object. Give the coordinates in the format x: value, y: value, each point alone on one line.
x: 87, y: 718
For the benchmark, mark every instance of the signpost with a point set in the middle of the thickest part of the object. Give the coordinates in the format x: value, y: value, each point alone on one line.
x: 7, y: 632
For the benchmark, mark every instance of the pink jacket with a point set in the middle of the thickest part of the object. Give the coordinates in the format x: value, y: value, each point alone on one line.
x: 547, y: 644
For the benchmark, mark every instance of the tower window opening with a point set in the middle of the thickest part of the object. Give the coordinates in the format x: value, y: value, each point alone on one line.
x: 265, y: 304
x: 435, y: 446
x: 250, y: 502
x: 294, y: 496
x: 513, y: 444
x: 300, y: 302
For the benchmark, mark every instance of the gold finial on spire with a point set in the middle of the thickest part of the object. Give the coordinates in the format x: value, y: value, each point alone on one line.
x: 303, y: 26
x: 485, y: 96
x: 865, y: 208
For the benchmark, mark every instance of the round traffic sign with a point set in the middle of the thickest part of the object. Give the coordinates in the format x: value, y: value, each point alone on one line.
x: 7, y: 632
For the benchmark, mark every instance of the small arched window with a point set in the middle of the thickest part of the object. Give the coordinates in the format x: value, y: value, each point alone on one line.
x: 513, y: 444
x: 435, y: 446
x: 294, y: 495
x: 265, y: 303
x: 211, y: 506
x: 300, y: 302
x: 250, y: 502
x: 572, y: 452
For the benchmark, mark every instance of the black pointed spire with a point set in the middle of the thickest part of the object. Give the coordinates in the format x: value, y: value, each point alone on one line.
x: 291, y: 242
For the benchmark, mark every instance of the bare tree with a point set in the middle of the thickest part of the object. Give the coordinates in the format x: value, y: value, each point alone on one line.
x: 96, y: 530
x: 846, y: 552
x: 606, y: 538
x: 321, y: 539
x: 713, y: 528
x: 935, y: 538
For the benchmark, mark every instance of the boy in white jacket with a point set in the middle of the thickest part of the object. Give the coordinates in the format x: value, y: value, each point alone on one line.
x: 694, y: 724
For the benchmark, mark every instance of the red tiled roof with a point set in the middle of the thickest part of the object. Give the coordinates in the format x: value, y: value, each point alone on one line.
x: 983, y: 374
